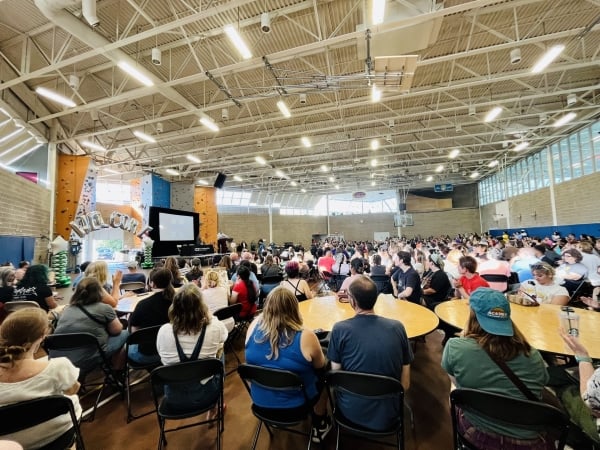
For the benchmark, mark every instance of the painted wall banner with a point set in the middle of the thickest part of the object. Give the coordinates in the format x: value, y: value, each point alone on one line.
x: 92, y: 221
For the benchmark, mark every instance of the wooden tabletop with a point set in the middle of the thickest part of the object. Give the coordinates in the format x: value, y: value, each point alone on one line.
x: 539, y: 325
x: 324, y: 312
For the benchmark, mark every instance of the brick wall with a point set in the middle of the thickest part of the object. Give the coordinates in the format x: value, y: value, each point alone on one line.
x: 25, y: 211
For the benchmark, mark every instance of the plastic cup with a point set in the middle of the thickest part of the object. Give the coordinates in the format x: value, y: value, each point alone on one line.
x: 569, y: 322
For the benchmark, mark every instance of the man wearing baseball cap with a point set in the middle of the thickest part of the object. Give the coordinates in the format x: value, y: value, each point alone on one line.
x: 490, y: 336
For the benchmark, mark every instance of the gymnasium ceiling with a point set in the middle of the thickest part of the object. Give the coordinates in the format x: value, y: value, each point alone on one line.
x: 440, y: 67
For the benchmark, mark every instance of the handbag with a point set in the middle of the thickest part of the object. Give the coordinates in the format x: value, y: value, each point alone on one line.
x: 547, y: 396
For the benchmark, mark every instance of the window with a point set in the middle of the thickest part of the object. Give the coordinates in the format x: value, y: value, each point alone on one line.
x: 555, y: 151
x: 587, y: 156
x: 113, y: 193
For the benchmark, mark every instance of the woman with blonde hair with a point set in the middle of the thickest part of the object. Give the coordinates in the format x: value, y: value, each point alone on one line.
x: 110, y: 292
x: 543, y: 288
x: 277, y: 339
x: 216, y: 295
x: 22, y: 377
x: 193, y: 333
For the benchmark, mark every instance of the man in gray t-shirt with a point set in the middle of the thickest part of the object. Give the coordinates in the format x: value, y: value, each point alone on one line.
x: 371, y: 344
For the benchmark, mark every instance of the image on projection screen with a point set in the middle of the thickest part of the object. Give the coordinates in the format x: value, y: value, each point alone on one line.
x: 176, y: 228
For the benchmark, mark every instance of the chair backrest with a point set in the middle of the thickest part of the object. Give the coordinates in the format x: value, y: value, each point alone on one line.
x: 275, y: 279
x: 70, y: 341
x: 495, y: 278
x: 365, y: 384
x: 189, y: 371
x: 229, y: 311
x: 526, y: 414
x: 269, y: 378
x: 383, y: 283
x: 20, y: 416
x: 133, y: 286
x: 19, y: 304
x: 144, y: 336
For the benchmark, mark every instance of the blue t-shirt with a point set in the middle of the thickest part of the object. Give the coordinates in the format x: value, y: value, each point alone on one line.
x: 376, y: 345
x: 290, y: 358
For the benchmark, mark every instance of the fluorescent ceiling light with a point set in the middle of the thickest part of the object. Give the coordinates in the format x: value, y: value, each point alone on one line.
x: 375, y: 94
x: 209, y: 123
x: 135, y: 73
x: 260, y: 160
x: 237, y: 41
x: 306, y: 141
x: 324, y: 168
x: 172, y: 172
x: 144, y: 137
x: 474, y: 175
x: 373, y: 183
x: 303, y: 190
x: 284, y: 109
x: 439, y: 168
x: 374, y: 162
x: 193, y: 159
x: 332, y: 179
x: 203, y: 182
x: 16, y: 146
x: 337, y: 186
x: 5, y: 122
x: 375, y: 144
x: 55, y: 97
x: 429, y: 178
x: 378, y: 11
x: 3, y: 111
x: 564, y: 120
x: 492, y: 114
x: 493, y: 163
x: 548, y: 57
x: 111, y: 171
x: 521, y: 146
x: 26, y: 152
x: 11, y: 135
x: 280, y: 173
x: 93, y: 146
x: 237, y: 178
x: 294, y: 184
x: 454, y: 153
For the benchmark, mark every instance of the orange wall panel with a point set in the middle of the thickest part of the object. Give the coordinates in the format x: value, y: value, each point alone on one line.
x: 71, y: 176
x: 205, y: 203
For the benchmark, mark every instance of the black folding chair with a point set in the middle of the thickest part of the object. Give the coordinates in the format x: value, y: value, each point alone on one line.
x: 188, y: 373
x: 64, y: 343
x: 515, y: 412
x: 20, y: 416
x: 369, y: 387
x: 280, y: 418
x: 383, y: 283
x: 144, y: 338
x: 133, y: 286
x: 231, y: 311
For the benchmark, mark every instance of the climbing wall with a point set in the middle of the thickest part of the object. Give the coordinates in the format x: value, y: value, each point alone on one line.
x: 75, y: 191
x: 155, y: 192
x: 205, y: 203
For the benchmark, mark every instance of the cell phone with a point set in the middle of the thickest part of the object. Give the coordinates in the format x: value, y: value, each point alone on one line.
x: 533, y: 298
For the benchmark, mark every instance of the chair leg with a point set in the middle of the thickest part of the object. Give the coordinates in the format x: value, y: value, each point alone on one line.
x: 337, y: 438
x: 128, y: 394
x: 256, y: 433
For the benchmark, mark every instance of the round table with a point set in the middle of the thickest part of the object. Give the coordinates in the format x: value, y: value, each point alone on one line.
x: 324, y: 312
x: 126, y: 305
x: 539, y: 325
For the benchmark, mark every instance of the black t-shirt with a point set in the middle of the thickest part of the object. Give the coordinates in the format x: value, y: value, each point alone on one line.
x: 6, y: 293
x: 441, y: 285
x: 151, y: 311
x: 37, y: 294
x: 410, y: 278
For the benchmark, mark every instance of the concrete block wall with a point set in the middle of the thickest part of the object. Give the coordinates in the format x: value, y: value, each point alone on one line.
x: 25, y: 210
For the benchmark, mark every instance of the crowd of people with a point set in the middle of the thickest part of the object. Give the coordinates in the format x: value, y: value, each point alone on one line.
x: 183, y: 298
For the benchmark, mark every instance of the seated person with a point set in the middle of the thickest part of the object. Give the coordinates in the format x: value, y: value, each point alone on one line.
x: 192, y: 333
x: 372, y: 344
x: 571, y: 272
x: 543, y: 288
x: 469, y: 279
x: 81, y: 274
x: 436, y: 287
x: 377, y: 269
x: 216, y: 295
x: 152, y: 311
x: 22, y: 377
x: 277, y: 339
x: 34, y: 287
x: 245, y: 292
x: 326, y: 262
x: 269, y: 268
x: 172, y: 265
x: 357, y: 268
x: 110, y: 292
x: 406, y: 282
x: 253, y: 277
x: 591, y: 261
x: 294, y: 283
x: 87, y: 313
x: 582, y: 402
x: 133, y: 276
x: 195, y: 273
x: 522, y: 262
x: 490, y: 264
x: 490, y: 333
x: 20, y: 272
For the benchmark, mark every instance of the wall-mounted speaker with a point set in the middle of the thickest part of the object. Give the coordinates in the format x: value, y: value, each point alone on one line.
x: 220, y: 181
